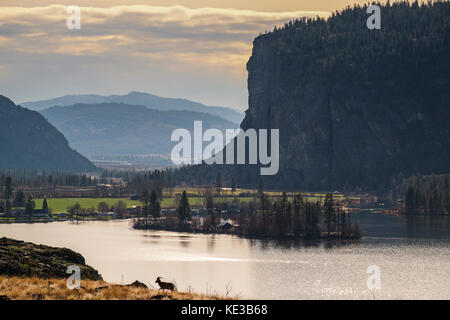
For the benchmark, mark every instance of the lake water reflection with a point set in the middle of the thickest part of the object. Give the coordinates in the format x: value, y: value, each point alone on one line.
x: 413, y: 254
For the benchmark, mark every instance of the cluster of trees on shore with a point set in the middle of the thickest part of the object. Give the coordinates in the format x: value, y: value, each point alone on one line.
x: 295, y: 218
x: 57, y: 184
x: 8, y: 202
x: 5, y: 203
x: 21, y: 184
x: 136, y: 181
x: 262, y: 217
x: 139, y: 181
x: 76, y: 212
x: 45, y: 178
x: 426, y: 195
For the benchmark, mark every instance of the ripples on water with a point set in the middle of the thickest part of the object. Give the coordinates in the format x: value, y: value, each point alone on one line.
x: 413, y: 254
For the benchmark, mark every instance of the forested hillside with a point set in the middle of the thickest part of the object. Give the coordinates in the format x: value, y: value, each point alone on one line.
x: 28, y: 141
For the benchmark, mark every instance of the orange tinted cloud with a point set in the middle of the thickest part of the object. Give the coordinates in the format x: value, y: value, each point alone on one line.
x: 209, y: 44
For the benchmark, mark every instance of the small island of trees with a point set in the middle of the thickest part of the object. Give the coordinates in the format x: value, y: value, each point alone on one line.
x: 262, y: 217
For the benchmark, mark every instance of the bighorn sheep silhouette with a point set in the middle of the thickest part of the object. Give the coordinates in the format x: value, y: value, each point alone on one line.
x: 165, y: 285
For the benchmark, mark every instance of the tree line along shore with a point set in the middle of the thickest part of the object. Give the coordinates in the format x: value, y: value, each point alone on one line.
x: 254, y: 212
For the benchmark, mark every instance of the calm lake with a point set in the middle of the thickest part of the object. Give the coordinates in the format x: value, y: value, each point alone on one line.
x: 413, y: 257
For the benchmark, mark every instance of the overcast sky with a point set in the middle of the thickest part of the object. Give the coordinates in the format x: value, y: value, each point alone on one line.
x: 194, y: 49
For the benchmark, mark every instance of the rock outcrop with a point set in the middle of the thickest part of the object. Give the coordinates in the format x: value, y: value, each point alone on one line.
x: 25, y: 259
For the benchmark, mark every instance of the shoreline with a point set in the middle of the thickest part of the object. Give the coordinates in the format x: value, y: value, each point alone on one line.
x: 47, y: 220
x: 30, y: 271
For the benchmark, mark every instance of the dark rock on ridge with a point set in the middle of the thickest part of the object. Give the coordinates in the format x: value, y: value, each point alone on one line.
x: 25, y: 259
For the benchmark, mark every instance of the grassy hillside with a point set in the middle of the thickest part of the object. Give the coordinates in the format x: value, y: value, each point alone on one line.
x: 16, y: 288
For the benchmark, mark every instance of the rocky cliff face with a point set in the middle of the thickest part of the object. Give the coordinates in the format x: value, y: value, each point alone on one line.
x: 354, y: 107
x: 25, y: 259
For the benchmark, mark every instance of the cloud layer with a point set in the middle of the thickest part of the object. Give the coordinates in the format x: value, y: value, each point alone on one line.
x: 165, y: 45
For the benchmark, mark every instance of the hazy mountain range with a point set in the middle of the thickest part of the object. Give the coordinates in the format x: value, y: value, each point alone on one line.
x: 120, y: 129
x: 142, y: 99
x: 28, y: 141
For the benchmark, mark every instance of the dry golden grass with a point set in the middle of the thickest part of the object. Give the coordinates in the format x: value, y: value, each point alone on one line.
x: 17, y: 288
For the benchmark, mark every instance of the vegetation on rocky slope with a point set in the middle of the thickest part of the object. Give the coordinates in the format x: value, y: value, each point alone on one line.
x: 25, y: 259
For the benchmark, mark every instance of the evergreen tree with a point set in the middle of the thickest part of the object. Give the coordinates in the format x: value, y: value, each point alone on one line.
x: 8, y: 188
x: 145, y: 202
x: 155, y: 207
x: 288, y: 219
x: 120, y: 207
x: 330, y: 218
x: 410, y: 200
x: 298, y: 217
x: 219, y: 182
x: 74, y: 211
x: 184, y: 210
x: 45, y: 206
x: 19, y: 200
x: 29, y: 207
x: 210, y: 210
x: 252, y: 227
x: 312, y: 216
x: 233, y: 186
x: 264, y: 207
x: 260, y: 185
x: 8, y: 208
x: 103, y: 207
x: 281, y: 215
x: 342, y: 222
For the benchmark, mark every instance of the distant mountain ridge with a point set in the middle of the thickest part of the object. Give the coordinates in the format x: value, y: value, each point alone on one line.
x: 120, y: 129
x: 139, y: 98
x: 28, y: 141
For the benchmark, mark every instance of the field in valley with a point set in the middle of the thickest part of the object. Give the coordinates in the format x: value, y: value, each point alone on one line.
x: 59, y: 205
x: 170, y: 195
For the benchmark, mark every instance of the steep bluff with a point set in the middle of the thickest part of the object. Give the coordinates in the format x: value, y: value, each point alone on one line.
x: 354, y: 106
